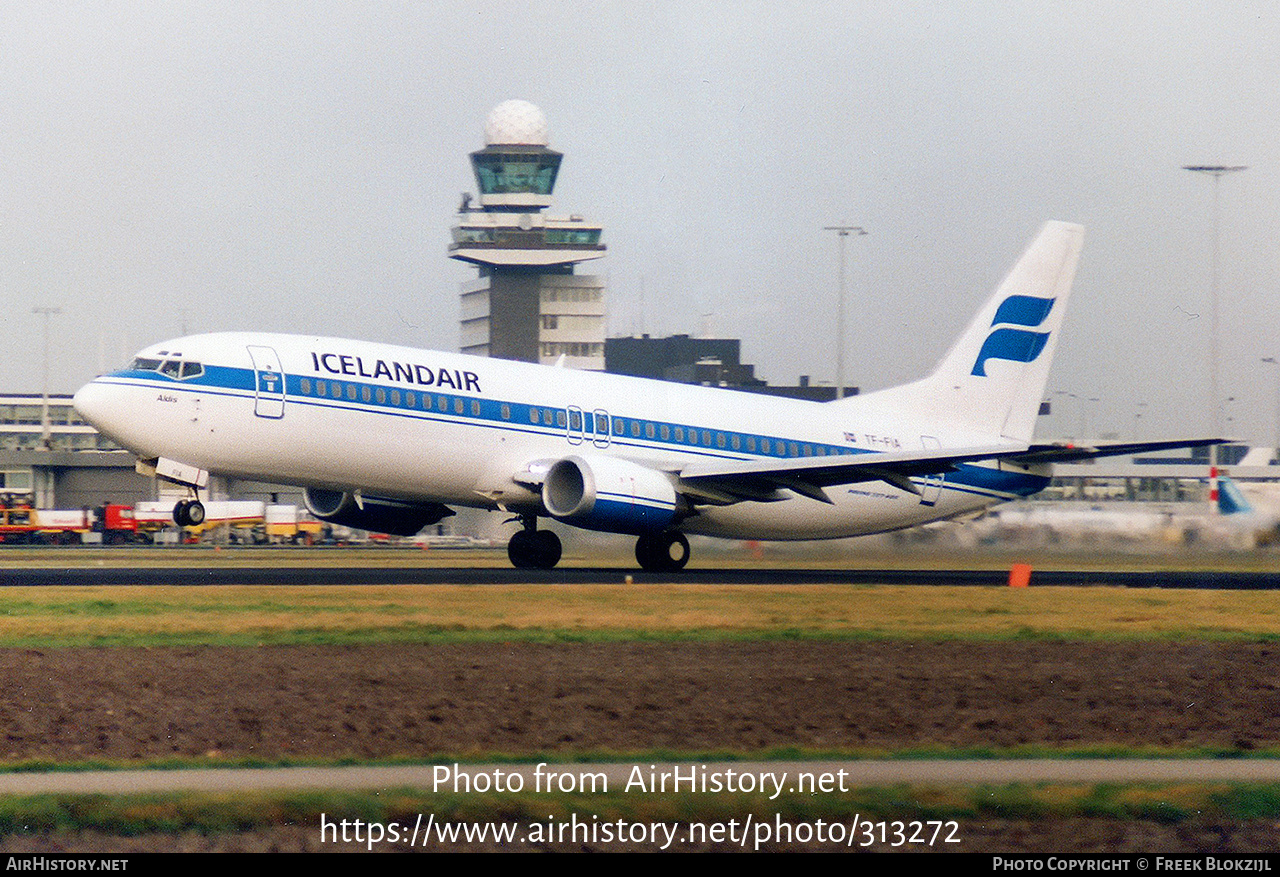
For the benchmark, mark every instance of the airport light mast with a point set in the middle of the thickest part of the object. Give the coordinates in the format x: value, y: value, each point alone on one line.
x: 843, y: 231
x: 527, y: 304
x: 1217, y: 171
x: 46, y: 433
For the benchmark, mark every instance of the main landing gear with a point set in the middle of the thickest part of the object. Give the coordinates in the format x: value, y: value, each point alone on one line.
x: 189, y: 513
x: 662, y: 552
x: 532, y: 548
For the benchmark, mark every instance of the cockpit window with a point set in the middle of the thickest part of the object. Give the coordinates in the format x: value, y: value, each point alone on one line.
x: 178, y: 369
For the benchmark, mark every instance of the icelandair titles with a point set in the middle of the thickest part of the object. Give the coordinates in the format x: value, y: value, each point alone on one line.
x: 344, y: 364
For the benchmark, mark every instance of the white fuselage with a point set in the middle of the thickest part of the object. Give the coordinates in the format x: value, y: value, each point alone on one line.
x: 429, y: 426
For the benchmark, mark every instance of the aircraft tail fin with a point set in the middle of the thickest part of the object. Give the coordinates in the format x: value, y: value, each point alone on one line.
x: 993, y: 378
x: 1230, y: 500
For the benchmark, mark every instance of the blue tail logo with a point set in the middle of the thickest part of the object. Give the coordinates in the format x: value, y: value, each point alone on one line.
x: 1015, y: 345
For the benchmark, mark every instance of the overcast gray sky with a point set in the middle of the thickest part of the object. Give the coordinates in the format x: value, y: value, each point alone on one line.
x: 296, y: 167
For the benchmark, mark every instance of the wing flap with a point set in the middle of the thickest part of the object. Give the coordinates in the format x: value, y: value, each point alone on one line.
x: 810, y: 473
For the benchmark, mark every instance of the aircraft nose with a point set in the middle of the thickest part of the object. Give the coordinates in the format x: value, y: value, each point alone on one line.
x: 92, y: 404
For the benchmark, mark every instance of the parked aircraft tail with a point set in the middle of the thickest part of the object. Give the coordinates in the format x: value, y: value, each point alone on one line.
x: 1231, y: 500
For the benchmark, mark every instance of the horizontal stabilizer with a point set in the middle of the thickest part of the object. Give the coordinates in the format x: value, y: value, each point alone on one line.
x: 1055, y: 452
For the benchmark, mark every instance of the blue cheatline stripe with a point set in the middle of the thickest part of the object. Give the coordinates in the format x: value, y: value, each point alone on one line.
x: 218, y: 379
x: 489, y: 413
x: 728, y: 445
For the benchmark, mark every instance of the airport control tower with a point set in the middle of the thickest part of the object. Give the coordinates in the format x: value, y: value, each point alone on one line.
x: 527, y: 303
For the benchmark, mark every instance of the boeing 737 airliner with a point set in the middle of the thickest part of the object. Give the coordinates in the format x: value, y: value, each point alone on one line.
x: 388, y: 438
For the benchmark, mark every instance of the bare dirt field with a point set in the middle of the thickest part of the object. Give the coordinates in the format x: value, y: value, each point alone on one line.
x: 370, y: 701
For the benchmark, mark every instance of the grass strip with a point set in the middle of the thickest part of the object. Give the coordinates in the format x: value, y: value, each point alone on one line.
x: 259, y: 615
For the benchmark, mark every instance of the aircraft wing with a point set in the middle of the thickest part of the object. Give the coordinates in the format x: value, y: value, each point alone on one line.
x: 733, y: 481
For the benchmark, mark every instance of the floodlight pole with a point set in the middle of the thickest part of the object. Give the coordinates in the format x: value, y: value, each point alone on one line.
x: 1217, y: 171
x: 843, y: 231
x: 46, y: 433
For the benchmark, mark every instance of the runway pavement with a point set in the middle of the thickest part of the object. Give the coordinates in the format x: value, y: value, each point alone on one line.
x: 435, y: 575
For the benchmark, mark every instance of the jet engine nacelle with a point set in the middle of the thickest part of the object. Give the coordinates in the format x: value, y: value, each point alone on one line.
x: 371, y: 513
x: 603, y: 493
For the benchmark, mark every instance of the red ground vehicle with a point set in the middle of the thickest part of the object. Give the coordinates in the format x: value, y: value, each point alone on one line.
x: 118, y: 525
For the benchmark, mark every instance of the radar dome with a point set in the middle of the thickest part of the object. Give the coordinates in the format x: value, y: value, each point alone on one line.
x: 516, y: 122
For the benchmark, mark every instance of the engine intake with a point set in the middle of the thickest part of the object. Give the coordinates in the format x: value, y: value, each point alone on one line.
x: 375, y: 514
x: 613, y: 496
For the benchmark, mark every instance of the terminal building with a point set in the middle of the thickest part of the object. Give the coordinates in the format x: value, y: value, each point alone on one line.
x: 708, y: 362
x: 527, y: 303
x: 50, y: 458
